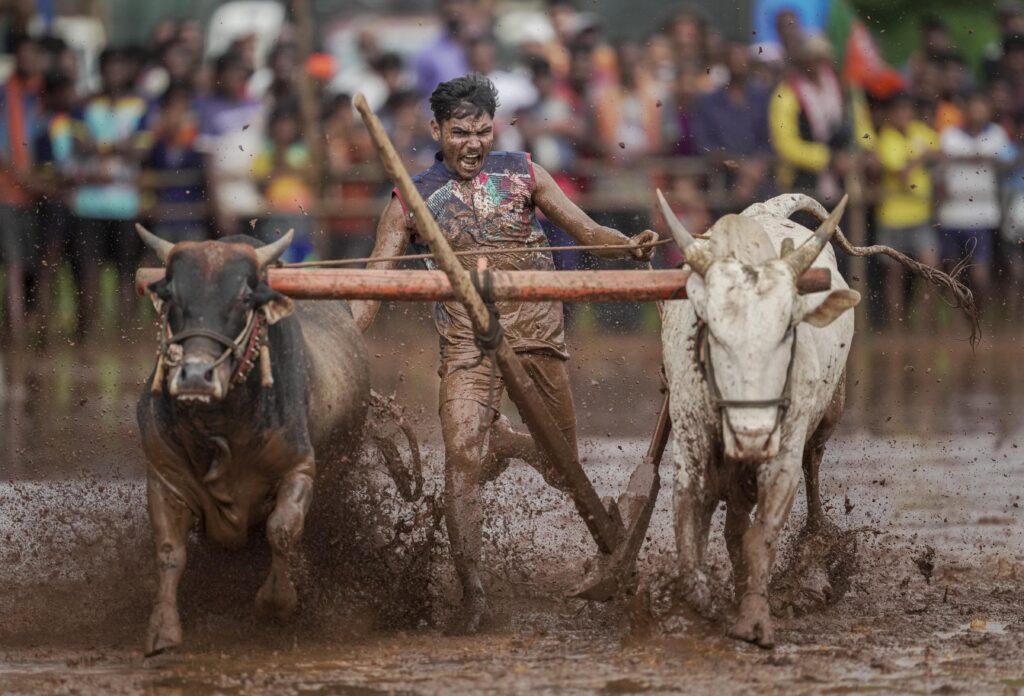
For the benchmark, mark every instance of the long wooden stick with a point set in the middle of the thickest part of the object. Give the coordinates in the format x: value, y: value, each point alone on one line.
x: 606, y: 529
x: 521, y: 286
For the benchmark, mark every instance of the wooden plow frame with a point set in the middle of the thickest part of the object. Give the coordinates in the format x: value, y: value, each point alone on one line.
x: 618, y: 527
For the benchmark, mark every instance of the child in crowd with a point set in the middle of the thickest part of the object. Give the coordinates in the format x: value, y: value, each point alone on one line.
x: 905, y: 149
x: 281, y: 168
x: 970, y: 211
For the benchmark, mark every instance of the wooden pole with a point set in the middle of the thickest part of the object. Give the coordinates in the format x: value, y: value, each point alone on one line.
x: 310, y: 107
x: 519, y: 286
x: 604, y: 527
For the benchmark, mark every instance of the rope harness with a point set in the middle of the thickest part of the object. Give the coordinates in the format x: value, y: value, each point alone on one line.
x: 722, y: 406
x: 244, y: 348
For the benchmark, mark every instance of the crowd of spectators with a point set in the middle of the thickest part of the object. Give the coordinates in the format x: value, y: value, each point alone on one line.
x: 201, y: 148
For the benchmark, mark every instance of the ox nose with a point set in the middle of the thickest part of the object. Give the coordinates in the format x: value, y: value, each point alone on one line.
x: 198, y: 376
x: 752, y: 440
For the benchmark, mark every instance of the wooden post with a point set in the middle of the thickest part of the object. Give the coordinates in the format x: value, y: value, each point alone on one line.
x: 312, y: 135
x: 604, y: 527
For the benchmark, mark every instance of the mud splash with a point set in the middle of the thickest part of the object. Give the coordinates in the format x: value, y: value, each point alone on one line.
x: 76, y: 579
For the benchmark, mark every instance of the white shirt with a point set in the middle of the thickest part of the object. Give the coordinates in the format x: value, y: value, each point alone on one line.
x: 972, y: 188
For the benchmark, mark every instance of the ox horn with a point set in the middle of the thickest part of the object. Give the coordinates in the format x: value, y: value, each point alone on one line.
x: 161, y: 247
x: 697, y: 255
x: 801, y: 258
x: 269, y: 253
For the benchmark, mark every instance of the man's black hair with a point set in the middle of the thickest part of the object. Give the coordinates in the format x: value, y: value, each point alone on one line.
x: 334, y: 104
x: 1013, y: 42
x: 176, y: 91
x: 53, y: 45
x: 229, y: 60
x: 388, y: 61
x: 54, y: 81
x: 469, y: 95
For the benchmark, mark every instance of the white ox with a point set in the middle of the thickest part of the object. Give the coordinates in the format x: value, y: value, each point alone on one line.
x: 757, y: 379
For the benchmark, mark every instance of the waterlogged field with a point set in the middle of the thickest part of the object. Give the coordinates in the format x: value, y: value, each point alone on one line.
x: 927, y: 469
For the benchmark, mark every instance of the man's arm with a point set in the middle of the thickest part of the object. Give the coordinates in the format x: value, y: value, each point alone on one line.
x: 392, y: 238
x: 560, y: 210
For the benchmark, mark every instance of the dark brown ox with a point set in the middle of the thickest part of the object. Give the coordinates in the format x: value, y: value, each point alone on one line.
x: 250, y: 390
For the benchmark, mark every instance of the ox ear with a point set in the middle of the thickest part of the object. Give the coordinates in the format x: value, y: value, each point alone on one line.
x: 273, y: 304
x: 159, y: 294
x: 837, y: 302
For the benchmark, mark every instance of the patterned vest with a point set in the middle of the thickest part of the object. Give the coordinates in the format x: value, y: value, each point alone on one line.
x: 492, y: 211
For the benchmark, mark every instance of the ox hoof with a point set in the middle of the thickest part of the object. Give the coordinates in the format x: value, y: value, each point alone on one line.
x: 474, y: 612
x: 164, y: 631
x: 276, y: 599
x: 695, y: 592
x: 754, y: 623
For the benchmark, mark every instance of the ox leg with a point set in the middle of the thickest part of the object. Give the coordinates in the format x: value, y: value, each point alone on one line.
x: 171, y: 521
x: 277, y: 598
x: 813, y: 453
x: 694, y: 504
x: 737, y: 522
x: 776, y: 487
x: 463, y: 435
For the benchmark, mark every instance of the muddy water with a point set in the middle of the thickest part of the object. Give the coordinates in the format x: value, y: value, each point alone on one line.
x: 928, y: 467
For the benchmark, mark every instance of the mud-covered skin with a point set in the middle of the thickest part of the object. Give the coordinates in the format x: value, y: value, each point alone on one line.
x: 465, y: 145
x: 753, y: 311
x: 252, y: 455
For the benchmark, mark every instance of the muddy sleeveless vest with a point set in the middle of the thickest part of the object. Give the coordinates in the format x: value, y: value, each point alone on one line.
x: 492, y: 211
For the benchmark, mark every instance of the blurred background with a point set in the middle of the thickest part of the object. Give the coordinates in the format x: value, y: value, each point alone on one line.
x: 203, y: 118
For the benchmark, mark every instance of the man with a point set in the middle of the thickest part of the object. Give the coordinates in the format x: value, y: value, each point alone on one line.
x: 905, y: 150
x: 446, y: 57
x: 19, y: 111
x: 971, y: 210
x: 487, y: 200
x: 731, y: 125
x: 110, y: 143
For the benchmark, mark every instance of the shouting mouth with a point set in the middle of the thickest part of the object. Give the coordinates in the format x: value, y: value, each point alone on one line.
x: 470, y: 162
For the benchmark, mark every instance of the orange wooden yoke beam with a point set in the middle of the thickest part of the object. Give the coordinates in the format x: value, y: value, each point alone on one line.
x: 523, y: 286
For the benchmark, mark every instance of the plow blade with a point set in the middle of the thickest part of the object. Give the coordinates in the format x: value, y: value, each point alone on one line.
x: 612, y: 575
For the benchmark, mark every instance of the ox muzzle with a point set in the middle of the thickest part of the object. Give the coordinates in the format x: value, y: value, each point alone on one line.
x: 751, y: 428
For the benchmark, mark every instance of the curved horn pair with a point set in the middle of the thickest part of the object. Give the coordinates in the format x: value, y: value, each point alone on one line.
x: 265, y: 255
x: 697, y: 255
x: 801, y: 258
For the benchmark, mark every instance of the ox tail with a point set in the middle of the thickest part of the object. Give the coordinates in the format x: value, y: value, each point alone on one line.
x: 960, y: 296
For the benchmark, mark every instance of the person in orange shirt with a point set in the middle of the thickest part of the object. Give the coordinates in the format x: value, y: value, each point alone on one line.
x: 18, y: 114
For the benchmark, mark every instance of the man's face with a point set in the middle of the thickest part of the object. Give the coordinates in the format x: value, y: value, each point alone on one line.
x: 465, y: 142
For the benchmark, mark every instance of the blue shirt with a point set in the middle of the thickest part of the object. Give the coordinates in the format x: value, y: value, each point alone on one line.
x: 726, y: 128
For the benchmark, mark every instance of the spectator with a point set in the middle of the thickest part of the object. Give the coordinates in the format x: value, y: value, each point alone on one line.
x: 1012, y: 69
x: 230, y: 128
x: 407, y: 131
x: 731, y: 130
x: 808, y: 126
x: 178, y: 203
x: 348, y: 146
x: 515, y: 90
x: 53, y: 149
x: 444, y: 59
x: 1012, y: 228
x: 627, y: 115
x: 551, y: 129
x: 1010, y: 20
x: 970, y: 211
x: 905, y: 149
x: 282, y: 167
x: 952, y: 86
x: 684, y: 100
x: 110, y: 144
x: 934, y: 42
x: 18, y: 115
